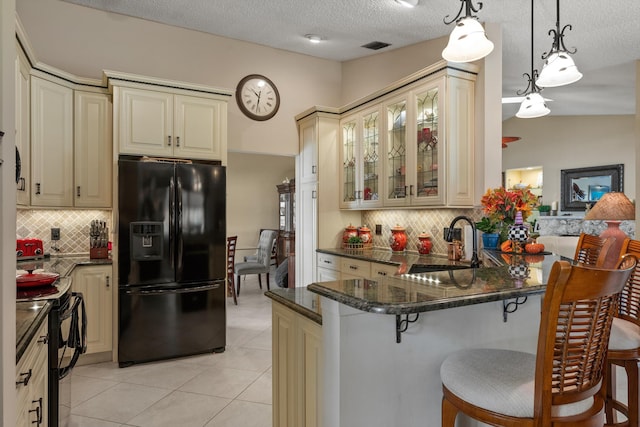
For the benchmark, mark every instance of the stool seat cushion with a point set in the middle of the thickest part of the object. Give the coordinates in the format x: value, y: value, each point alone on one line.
x: 501, y: 381
x: 625, y: 335
x: 243, y: 268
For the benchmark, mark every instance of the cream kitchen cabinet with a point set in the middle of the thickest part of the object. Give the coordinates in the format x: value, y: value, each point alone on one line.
x: 92, y: 149
x: 95, y: 282
x: 297, y: 369
x: 382, y: 270
x: 169, y: 119
x: 31, y: 382
x: 51, y: 143
x: 328, y: 267
x: 361, y: 160
x: 354, y: 269
x: 23, y: 122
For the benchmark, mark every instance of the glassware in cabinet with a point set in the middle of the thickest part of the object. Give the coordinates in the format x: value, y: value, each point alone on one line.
x: 396, y: 153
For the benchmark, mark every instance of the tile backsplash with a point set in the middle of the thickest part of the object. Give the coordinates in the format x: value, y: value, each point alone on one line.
x: 73, y: 224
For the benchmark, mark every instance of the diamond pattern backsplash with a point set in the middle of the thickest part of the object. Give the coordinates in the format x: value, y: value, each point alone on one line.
x: 430, y: 221
x: 73, y: 224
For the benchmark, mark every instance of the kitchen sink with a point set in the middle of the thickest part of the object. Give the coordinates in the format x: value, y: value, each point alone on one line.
x: 426, y: 268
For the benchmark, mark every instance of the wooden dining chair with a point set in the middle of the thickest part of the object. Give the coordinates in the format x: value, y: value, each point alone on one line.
x: 563, y: 383
x: 231, y: 260
x: 624, y: 348
x: 592, y: 250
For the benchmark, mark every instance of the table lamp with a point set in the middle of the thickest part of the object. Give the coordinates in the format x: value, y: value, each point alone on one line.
x: 612, y: 208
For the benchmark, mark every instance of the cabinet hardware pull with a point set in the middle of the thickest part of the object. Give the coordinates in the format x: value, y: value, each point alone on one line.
x: 26, y: 377
x: 411, y: 190
x: 38, y: 411
x: 78, y: 191
x: 43, y: 339
x: 405, y: 191
x: 169, y: 140
x: 353, y: 267
x: 22, y: 184
x: 313, y: 169
x: 327, y: 261
x: 314, y: 194
x: 108, y: 281
x: 358, y: 195
x: 177, y: 141
x: 37, y: 188
x: 382, y: 273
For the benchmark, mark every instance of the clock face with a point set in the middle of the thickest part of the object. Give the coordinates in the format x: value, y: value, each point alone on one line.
x: 257, y: 97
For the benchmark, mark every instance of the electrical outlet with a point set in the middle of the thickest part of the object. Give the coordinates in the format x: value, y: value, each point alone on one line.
x: 378, y: 229
x: 55, y: 234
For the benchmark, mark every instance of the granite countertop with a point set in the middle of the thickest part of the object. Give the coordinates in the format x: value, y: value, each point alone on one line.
x: 63, y: 265
x: 299, y: 300
x: 505, y: 276
x: 29, y: 317
x: 386, y: 256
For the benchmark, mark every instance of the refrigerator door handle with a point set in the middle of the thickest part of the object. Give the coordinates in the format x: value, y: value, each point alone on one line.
x: 172, y: 220
x: 173, y: 290
x: 179, y: 243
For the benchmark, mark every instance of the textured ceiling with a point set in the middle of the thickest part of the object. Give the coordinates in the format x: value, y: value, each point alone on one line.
x: 606, y: 34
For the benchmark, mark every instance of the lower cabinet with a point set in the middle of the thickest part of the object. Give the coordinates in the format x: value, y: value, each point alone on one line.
x: 95, y: 284
x: 31, y: 382
x: 328, y: 267
x: 354, y: 269
x: 297, y: 369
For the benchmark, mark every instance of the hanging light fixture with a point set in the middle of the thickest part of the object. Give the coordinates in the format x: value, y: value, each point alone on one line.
x: 468, y: 41
x: 533, y: 104
x: 559, y: 68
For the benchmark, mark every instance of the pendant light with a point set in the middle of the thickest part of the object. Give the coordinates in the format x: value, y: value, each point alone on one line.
x: 533, y: 104
x: 468, y: 40
x: 559, y: 68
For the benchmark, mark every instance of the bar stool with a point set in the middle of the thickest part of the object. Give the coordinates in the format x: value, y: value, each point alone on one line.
x: 624, y: 347
x: 231, y: 260
x: 564, y: 380
x: 592, y: 250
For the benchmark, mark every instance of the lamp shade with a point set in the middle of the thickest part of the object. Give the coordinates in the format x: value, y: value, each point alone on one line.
x: 533, y: 106
x: 467, y: 42
x: 613, y: 206
x: 559, y: 70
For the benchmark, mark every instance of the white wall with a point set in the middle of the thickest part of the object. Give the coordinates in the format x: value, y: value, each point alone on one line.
x: 252, y: 196
x: 567, y: 142
x: 84, y: 41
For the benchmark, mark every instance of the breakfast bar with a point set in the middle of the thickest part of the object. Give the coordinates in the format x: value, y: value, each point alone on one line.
x: 384, y: 339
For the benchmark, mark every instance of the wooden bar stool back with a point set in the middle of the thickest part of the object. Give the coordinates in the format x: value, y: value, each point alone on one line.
x: 231, y: 261
x: 592, y: 250
x: 624, y: 347
x: 563, y: 384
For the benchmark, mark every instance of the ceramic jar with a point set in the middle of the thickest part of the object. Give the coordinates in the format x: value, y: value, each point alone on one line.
x: 424, y: 244
x: 350, y: 231
x: 398, y: 239
x: 365, y: 234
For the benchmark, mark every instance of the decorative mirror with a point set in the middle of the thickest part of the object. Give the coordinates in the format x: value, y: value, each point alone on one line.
x: 587, y: 185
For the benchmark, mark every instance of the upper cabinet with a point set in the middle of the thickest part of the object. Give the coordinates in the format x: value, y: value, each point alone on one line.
x: 411, y: 144
x: 169, y: 119
x: 23, y: 123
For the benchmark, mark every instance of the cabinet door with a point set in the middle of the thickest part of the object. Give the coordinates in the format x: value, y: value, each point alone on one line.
x: 396, y: 187
x: 198, y: 127
x: 371, y: 160
x: 307, y: 221
x: 23, y: 123
x: 309, y: 373
x: 92, y: 151
x: 428, y: 167
x: 327, y: 275
x: 349, y: 162
x: 94, y: 282
x: 51, y: 144
x: 308, y: 135
x: 145, y: 122
x: 283, y: 366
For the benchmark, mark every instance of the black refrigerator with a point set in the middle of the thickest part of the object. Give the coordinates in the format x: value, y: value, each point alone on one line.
x: 171, y: 259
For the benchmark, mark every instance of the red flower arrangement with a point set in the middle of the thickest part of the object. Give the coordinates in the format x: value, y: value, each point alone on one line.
x: 500, y: 205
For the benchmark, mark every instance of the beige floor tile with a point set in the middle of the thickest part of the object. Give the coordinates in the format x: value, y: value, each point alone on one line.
x: 243, y: 414
x: 221, y: 382
x: 84, y: 388
x: 79, y: 421
x: 120, y: 403
x: 246, y: 359
x: 262, y: 341
x: 260, y: 391
x: 169, y: 375
x: 181, y: 409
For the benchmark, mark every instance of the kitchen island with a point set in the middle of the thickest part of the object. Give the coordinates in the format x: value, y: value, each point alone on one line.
x: 384, y: 339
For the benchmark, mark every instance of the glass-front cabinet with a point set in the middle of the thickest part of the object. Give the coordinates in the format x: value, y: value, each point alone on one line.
x: 361, y: 162
x: 286, y: 220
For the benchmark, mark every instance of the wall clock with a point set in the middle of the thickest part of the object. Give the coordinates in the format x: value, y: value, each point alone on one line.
x: 257, y: 97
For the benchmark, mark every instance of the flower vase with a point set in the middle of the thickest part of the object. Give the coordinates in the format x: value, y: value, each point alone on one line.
x: 490, y: 240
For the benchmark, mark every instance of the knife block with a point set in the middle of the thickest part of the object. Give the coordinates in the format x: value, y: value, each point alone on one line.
x: 98, y: 253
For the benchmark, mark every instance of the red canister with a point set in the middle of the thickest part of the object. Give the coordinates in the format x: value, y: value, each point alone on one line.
x: 424, y: 243
x: 398, y: 240
x: 350, y: 231
x: 365, y: 234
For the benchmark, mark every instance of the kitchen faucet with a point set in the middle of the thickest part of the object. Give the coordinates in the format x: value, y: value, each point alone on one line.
x: 449, y: 238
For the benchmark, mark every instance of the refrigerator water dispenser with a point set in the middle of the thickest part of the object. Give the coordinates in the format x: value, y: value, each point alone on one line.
x: 146, y: 240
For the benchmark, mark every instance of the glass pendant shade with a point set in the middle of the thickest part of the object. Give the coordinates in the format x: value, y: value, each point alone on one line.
x: 467, y: 42
x: 532, y: 106
x: 559, y: 70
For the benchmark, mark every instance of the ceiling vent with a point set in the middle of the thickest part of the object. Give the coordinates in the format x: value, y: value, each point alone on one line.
x: 376, y: 45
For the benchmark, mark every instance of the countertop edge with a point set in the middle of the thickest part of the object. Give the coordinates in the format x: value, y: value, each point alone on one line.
x: 24, y: 341
x: 309, y: 314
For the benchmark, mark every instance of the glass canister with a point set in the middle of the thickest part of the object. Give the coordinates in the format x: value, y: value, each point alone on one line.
x: 350, y: 231
x: 424, y: 243
x: 398, y: 239
x: 365, y: 234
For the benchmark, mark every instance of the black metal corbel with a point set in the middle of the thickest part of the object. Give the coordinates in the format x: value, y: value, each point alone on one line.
x: 403, y: 324
x: 511, y: 307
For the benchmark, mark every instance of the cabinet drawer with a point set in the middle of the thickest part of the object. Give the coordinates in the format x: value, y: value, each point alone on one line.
x: 378, y: 270
x: 330, y: 262
x: 355, y: 267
